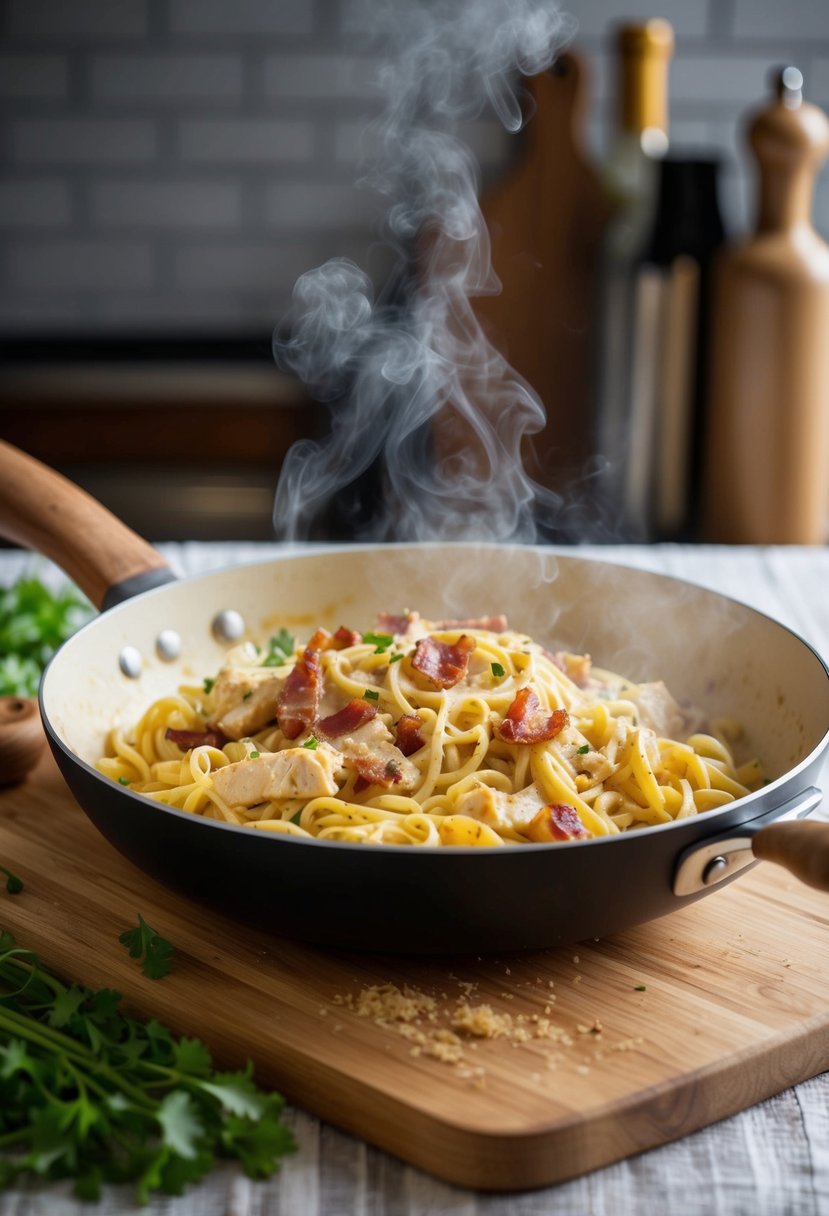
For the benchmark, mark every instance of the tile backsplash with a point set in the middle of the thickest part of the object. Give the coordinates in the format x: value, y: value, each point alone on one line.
x: 171, y: 166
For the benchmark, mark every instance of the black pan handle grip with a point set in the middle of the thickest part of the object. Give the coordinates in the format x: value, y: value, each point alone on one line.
x: 801, y: 846
x: 44, y: 511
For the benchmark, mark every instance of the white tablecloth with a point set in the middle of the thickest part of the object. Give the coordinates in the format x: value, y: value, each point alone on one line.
x: 771, y: 1160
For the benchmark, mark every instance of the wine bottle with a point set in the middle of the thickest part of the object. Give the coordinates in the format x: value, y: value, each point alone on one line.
x: 640, y: 140
x: 671, y: 295
x: 767, y: 439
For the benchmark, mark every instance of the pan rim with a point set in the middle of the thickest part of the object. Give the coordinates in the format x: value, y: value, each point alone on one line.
x: 314, y: 550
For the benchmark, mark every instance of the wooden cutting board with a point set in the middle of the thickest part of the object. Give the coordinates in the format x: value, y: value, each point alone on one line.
x: 612, y: 1047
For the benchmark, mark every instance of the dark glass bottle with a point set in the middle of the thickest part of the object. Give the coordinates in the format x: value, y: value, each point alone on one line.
x: 659, y: 459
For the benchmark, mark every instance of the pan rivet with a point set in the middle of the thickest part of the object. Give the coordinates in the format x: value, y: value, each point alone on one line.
x: 130, y: 662
x: 714, y: 871
x: 228, y: 626
x: 168, y: 645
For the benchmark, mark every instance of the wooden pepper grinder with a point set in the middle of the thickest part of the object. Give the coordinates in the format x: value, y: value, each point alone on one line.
x: 767, y: 436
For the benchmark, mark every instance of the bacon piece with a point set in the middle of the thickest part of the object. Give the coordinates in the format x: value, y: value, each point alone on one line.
x: 397, y: 626
x: 557, y: 821
x: 300, y: 697
x: 575, y: 666
x: 409, y: 738
x: 366, y: 746
x: 526, y: 721
x: 374, y: 770
x: 495, y: 624
x: 348, y: 719
x: 195, y: 738
x: 444, y: 663
x: 345, y: 637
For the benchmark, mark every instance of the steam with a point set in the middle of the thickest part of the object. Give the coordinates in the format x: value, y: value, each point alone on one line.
x: 419, y: 398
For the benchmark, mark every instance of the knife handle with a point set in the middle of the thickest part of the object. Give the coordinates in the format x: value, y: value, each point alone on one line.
x: 42, y: 510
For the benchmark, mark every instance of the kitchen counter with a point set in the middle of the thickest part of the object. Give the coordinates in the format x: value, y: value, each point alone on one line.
x: 769, y: 1160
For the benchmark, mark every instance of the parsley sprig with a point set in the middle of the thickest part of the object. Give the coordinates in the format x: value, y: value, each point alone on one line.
x: 280, y: 650
x: 89, y: 1094
x: 155, y: 952
x: 14, y: 885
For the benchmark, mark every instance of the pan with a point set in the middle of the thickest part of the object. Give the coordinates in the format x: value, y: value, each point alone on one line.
x: 156, y: 631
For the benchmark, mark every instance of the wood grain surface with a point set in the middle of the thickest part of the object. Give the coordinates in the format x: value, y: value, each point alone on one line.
x: 667, y: 1027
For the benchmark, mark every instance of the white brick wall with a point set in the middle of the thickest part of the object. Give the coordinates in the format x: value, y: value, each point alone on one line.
x: 174, y: 165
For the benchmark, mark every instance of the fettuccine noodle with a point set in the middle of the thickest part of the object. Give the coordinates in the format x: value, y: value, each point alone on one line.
x: 524, y: 746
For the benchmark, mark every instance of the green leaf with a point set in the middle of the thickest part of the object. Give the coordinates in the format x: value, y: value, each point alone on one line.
x: 381, y: 641
x: 371, y: 694
x: 192, y: 1057
x: 14, y: 1058
x: 66, y: 1004
x: 280, y: 650
x: 14, y: 885
x: 583, y: 750
x: 236, y: 1092
x: 180, y: 1125
x: 258, y: 1144
x: 497, y: 670
x: 311, y: 744
x: 88, y: 1184
x: 156, y: 952
x: 208, y: 685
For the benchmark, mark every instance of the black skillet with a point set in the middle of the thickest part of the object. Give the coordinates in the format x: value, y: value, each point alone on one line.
x: 156, y: 631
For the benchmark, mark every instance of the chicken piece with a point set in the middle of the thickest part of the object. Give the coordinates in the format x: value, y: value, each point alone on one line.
x: 254, y: 711
x: 296, y: 773
x: 498, y: 809
x: 230, y: 687
x: 371, y: 751
x: 557, y: 822
x: 576, y: 667
x: 659, y: 710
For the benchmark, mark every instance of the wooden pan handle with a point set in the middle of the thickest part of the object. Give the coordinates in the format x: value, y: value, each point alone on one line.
x: 801, y: 846
x: 41, y: 510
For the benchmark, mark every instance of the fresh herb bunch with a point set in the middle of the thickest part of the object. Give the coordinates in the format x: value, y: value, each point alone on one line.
x: 89, y: 1094
x: 34, y: 622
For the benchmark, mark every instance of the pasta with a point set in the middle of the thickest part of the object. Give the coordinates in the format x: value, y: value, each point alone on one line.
x: 440, y: 734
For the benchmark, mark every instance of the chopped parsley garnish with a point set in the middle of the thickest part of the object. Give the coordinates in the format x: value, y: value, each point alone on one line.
x: 124, y: 780
x: 247, y: 696
x: 280, y: 650
x: 14, y: 885
x: 254, y: 755
x: 311, y: 744
x: 583, y: 750
x: 208, y: 684
x: 371, y: 695
x: 94, y: 1096
x: 381, y: 641
x: 296, y: 818
x: 497, y: 670
x: 395, y: 658
x: 640, y: 988
x: 143, y: 942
